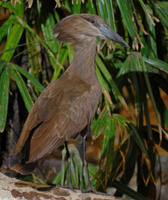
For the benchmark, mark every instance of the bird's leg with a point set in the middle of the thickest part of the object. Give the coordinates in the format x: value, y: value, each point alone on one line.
x: 69, y: 165
x: 85, y: 164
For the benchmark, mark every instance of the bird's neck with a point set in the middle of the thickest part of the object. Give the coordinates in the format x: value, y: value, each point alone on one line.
x: 83, y: 62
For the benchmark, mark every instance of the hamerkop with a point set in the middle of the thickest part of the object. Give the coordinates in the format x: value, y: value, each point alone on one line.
x: 68, y: 105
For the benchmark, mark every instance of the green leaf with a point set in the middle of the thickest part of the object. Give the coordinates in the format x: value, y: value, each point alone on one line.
x: 127, y: 190
x: 122, y: 120
x: 30, y: 77
x: 34, y: 59
x: 76, y: 6
x: 23, y: 90
x: 110, y: 13
x: 135, y: 63
x: 127, y: 16
x: 4, y: 96
x: 2, y: 65
x: 47, y: 29
x: 91, y: 7
x: 130, y: 164
x: 8, y: 6
x: 12, y: 42
x: 57, y: 179
x: 152, y: 36
x: 42, y: 42
x: 62, y: 57
x: 102, y: 82
x: 166, y: 117
x: 109, y: 134
x: 6, y: 26
x: 157, y: 63
x: 109, y: 78
x: 17, y: 8
x: 92, y: 172
x: 138, y: 139
x: 20, y: 8
x: 101, y: 6
x: 161, y: 8
x: 99, y: 124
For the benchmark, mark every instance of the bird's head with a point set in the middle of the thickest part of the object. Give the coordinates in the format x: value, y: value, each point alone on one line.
x: 79, y: 28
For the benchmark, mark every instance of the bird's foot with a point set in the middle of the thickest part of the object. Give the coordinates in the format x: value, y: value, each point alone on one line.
x: 91, y: 190
x: 69, y: 187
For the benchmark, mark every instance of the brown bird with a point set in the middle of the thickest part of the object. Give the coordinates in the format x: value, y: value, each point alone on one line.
x: 68, y: 105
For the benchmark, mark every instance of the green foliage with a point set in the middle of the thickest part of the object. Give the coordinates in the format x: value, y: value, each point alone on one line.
x: 4, y: 96
x: 141, y: 71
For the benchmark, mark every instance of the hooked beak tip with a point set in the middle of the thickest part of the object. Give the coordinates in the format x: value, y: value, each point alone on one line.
x: 125, y: 45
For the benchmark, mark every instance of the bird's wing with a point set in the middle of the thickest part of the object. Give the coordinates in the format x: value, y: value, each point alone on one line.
x: 52, y: 134
x: 40, y: 112
x: 55, y: 119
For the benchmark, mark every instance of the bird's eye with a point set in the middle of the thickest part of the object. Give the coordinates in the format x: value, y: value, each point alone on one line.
x: 92, y: 21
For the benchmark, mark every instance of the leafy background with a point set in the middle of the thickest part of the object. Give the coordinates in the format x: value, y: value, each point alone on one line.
x: 130, y: 126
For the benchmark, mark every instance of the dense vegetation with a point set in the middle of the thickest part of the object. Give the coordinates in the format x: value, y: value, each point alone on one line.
x: 132, y: 116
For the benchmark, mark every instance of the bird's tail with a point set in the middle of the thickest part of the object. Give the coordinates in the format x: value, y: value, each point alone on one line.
x: 23, y: 169
x: 12, y: 164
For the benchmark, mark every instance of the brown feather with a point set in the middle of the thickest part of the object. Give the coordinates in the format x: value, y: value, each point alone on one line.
x: 64, y: 109
x: 68, y: 104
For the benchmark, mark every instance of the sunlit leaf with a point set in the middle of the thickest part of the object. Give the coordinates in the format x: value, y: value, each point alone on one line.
x: 12, y: 42
x: 76, y: 6
x: 157, y: 63
x: 6, y: 26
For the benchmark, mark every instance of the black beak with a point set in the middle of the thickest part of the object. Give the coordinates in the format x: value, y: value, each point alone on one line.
x: 111, y: 35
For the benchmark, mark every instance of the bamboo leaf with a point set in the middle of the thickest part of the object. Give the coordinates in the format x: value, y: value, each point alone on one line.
x: 30, y: 77
x: 4, y: 96
x: 76, y: 6
x: 62, y: 57
x: 99, y: 124
x: 42, y: 42
x: 23, y: 90
x: 109, y: 78
x: 12, y: 42
x: 161, y: 8
x: 102, y: 82
x: 92, y: 172
x: 102, y: 9
x: 2, y: 65
x: 34, y: 51
x: 152, y: 36
x: 47, y: 29
x: 8, y: 5
x: 91, y: 7
x: 109, y: 134
x: 6, y: 26
x: 138, y: 139
x: 110, y: 13
x: 157, y: 63
x: 127, y: 15
x: 19, y: 7
x: 127, y: 190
